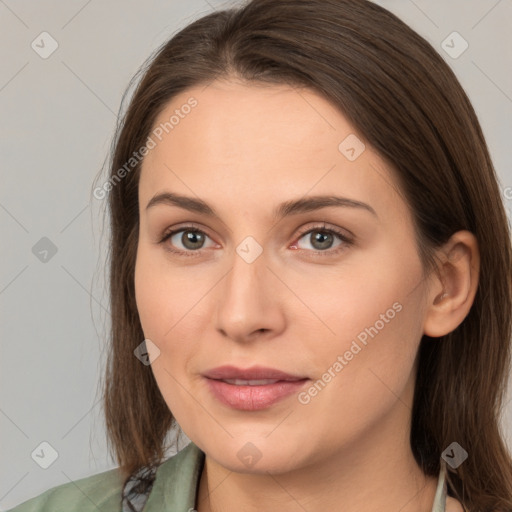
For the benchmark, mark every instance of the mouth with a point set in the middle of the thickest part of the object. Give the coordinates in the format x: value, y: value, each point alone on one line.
x: 234, y: 387
x: 255, y: 373
x: 242, y: 382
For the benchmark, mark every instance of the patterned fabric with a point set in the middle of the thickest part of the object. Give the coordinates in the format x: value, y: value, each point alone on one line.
x: 137, y: 488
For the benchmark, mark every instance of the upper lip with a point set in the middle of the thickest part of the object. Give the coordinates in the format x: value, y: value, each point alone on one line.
x: 253, y: 373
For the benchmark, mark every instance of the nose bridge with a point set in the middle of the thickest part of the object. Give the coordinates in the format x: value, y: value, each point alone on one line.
x: 245, y: 298
x: 247, y: 278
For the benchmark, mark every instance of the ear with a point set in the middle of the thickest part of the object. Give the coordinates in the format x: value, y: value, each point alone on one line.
x: 453, y: 290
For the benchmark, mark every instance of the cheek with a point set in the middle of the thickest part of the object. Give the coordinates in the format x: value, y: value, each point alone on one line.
x: 160, y: 309
x: 159, y: 304
x: 159, y: 284
x: 147, y: 296
x: 368, y: 354
x: 376, y: 312
x: 169, y: 308
x: 371, y: 379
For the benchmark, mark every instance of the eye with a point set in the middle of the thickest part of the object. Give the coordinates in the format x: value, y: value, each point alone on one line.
x: 322, y: 238
x: 191, y: 238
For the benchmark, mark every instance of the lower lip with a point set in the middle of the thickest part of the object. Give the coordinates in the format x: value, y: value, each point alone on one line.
x: 253, y: 398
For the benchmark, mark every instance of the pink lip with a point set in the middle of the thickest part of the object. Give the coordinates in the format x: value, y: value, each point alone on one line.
x: 253, y: 373
x: 252, y: 398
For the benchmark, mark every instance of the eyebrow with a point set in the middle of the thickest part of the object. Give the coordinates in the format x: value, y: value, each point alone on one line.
x: 292, y: 207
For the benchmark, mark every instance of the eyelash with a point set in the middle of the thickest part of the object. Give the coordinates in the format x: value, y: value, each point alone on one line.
x: 347, y: 242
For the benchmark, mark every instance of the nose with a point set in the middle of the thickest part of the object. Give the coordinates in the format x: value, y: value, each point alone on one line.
x: 250, y: 301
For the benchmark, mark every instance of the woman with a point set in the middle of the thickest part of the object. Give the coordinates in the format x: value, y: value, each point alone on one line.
x: 310, y: 275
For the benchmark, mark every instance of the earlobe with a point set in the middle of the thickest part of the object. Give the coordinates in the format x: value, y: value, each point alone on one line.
x: 452, y: 296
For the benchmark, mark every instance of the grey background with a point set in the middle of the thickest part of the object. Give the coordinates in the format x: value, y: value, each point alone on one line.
x: 58, y: 116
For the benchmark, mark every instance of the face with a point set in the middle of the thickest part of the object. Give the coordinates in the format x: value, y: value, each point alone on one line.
x: 329, y: 294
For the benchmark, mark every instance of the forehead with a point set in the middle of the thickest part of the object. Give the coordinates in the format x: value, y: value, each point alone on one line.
x: 234, y: 119
x: 261, y: 143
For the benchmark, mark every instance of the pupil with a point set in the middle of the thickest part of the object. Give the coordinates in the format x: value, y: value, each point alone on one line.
x: 324, y: 239
x: 191, y: 237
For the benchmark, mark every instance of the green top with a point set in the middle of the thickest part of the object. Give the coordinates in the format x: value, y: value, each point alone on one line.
x: 174, y: 489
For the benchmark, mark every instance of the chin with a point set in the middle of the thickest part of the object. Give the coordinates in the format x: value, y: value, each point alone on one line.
x: 255, y: 455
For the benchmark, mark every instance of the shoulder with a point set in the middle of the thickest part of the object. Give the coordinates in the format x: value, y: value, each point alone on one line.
x: 453, y: 505
x: 175, y: 485
x: 101, y: 491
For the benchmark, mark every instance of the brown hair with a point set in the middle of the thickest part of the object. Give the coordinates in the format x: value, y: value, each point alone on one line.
x: 407, y: 103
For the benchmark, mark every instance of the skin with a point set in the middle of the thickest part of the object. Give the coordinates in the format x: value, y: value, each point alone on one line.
x: 244, y: 149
